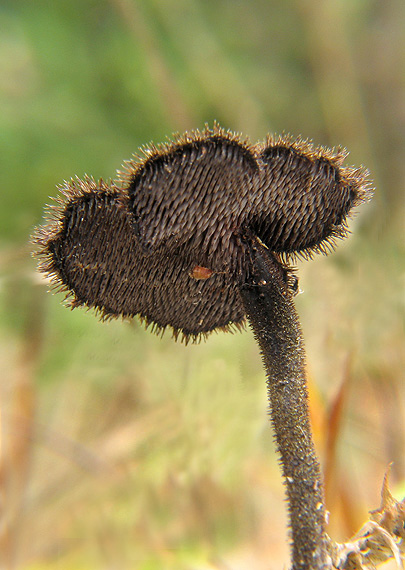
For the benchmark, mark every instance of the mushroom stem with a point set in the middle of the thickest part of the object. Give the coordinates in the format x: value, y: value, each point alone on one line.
x: 274, y: 320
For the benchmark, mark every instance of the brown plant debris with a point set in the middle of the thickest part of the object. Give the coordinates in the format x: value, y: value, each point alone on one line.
x: 378, y: 540
x: 166, y: 240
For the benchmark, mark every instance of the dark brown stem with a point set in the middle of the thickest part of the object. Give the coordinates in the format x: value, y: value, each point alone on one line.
x: 272, y: 315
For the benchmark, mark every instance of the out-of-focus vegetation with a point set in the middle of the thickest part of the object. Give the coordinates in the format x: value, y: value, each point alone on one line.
x: 123, y: 450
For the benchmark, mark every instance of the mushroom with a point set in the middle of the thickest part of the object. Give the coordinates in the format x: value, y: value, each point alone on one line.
x: 200, y: 234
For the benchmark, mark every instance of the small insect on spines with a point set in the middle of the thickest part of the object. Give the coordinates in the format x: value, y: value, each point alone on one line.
x: 200, y: 272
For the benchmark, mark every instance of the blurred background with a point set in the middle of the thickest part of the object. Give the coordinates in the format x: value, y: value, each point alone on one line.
x: 123, y: 450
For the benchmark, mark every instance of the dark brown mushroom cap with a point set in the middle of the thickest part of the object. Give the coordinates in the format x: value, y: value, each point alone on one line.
x: 167, y: 241
x: 91, y: 251
x: 303, y: 196
x: 196, y: 191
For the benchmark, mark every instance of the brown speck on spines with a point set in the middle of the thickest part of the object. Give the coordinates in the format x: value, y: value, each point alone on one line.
x: 200, y: 273
x: 166, y: 241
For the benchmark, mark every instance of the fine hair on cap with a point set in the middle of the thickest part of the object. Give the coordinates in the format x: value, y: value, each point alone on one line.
x: 167, y: 240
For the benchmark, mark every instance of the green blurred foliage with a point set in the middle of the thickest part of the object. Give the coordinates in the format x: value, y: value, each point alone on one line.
x: 130, y: 451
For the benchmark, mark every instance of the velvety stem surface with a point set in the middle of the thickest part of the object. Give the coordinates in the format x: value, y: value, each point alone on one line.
x: 275, y: 323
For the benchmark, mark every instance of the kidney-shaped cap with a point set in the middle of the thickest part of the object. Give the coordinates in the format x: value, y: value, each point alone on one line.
x: 167, y: 240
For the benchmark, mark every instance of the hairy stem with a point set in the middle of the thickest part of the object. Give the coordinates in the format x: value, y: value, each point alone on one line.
x: 272, y: 315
